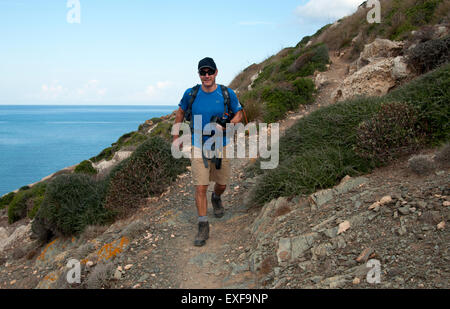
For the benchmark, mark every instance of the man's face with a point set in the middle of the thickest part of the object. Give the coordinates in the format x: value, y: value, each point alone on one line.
x: 208, y: 76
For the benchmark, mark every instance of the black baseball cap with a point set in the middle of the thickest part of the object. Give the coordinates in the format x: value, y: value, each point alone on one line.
x: 207, y: 63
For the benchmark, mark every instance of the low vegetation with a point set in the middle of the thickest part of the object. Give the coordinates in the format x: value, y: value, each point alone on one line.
x: 149, y: 170
x: 282, y: 85
x: 322, y: 148
x: 398, y: 19
x: 25, y: 202
x: 71, y: 203
x: 133, y: 138
x: 86, y: 168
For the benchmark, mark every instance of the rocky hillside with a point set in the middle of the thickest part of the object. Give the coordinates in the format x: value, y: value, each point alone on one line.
x: 396, y: 215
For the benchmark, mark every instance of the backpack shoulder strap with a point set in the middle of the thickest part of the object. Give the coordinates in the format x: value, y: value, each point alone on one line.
x: 193, y: 95
x: 226, y: 99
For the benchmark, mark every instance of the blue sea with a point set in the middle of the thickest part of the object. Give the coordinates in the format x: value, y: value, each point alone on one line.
x: 38, y: 140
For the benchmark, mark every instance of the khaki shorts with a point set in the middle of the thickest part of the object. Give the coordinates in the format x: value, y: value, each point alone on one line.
x: 202, y: 175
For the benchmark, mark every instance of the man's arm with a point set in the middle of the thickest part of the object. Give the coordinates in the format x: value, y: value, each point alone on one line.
x: 237, y: 118
x: 178, y: 118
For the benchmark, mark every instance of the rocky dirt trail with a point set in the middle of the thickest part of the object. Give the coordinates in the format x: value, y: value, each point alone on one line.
x: 293, y: 243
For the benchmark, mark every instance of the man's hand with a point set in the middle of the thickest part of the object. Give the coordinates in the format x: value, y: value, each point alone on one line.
x: 178, y: 119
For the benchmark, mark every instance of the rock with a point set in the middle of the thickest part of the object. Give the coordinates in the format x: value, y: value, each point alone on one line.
x: 20, y: 234
x: 321, y: 197
x: 343, y: 227
x: 316, y: 279
x: 105, y: 165
x: 374, y: 79
x: 446, y: 203
x: 335, y: 282
x: 117, y: 275
x: 322, y: 250
x: 402, y: 231
x: 349, y: 184
x: 441, y: 225
x: 372, y: 216
x: 331, y: 232
x: 375, y: 206
x: 441, y: 31
x: 143, y: 278
x: 305, y: 265
x: 323, y: 223
x: 404, y: 210
x: 128, y: 267
x: 300, y: 244
x: 339, y: 242
x: 284, y: 250
x: 364, y: 256
x: 386, y: 200
x: 356, y: 281
x: 400, y: 69
x: 320, y: 80
x: 3, y: 234
x: 380, y: 48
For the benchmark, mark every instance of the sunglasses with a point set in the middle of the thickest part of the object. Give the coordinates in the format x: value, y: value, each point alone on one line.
x: 209, y: 72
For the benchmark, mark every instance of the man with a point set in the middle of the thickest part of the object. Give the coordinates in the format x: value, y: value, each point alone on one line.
x: 208, y: 102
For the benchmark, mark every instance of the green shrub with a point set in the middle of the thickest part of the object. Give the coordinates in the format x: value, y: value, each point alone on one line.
x: 149, y: 170
x: 163, y: 130
x: 429, y: 55
x: 318, y: 150
x: 266, y: 73
x: 133, y: 138
x: 26, y: 202
x: 390, y: 133
x: 304, y: 41
x: 5, y: 200
x: 311, y: 59
x: 123, y: 138
x: 304, y: 88
x: 38, y: 195
x: 155, y: 120
x: 71, y: 203
x: 86, y: 168
x: 107, y: 153
x: 18, y: 207
x: 429, y: 94
x: 306, y: 172
x: 278, y: 101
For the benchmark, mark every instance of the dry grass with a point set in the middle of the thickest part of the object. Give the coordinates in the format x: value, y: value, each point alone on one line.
x: 253, y: 110
x: 442, y: 13
x: 421, y: 164
x: 443, y: 156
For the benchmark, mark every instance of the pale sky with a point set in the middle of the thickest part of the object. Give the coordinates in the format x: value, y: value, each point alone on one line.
x: 141, y: 52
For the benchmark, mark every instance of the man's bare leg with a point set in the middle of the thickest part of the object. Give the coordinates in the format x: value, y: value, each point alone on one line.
x: 200, y: 200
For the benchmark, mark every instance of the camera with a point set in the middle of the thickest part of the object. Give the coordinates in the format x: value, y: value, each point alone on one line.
x: 220, y: 120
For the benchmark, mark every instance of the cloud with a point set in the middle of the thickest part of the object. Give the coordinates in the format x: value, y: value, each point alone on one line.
x: 90, y: 91
x: 325, y: 10
x: 157, y: 90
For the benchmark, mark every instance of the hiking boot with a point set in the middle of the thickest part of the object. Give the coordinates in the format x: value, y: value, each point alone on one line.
x: 203, y: 234
x: 217, y: 205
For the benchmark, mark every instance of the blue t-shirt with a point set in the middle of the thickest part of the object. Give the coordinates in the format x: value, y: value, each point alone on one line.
x: 208, y: 105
